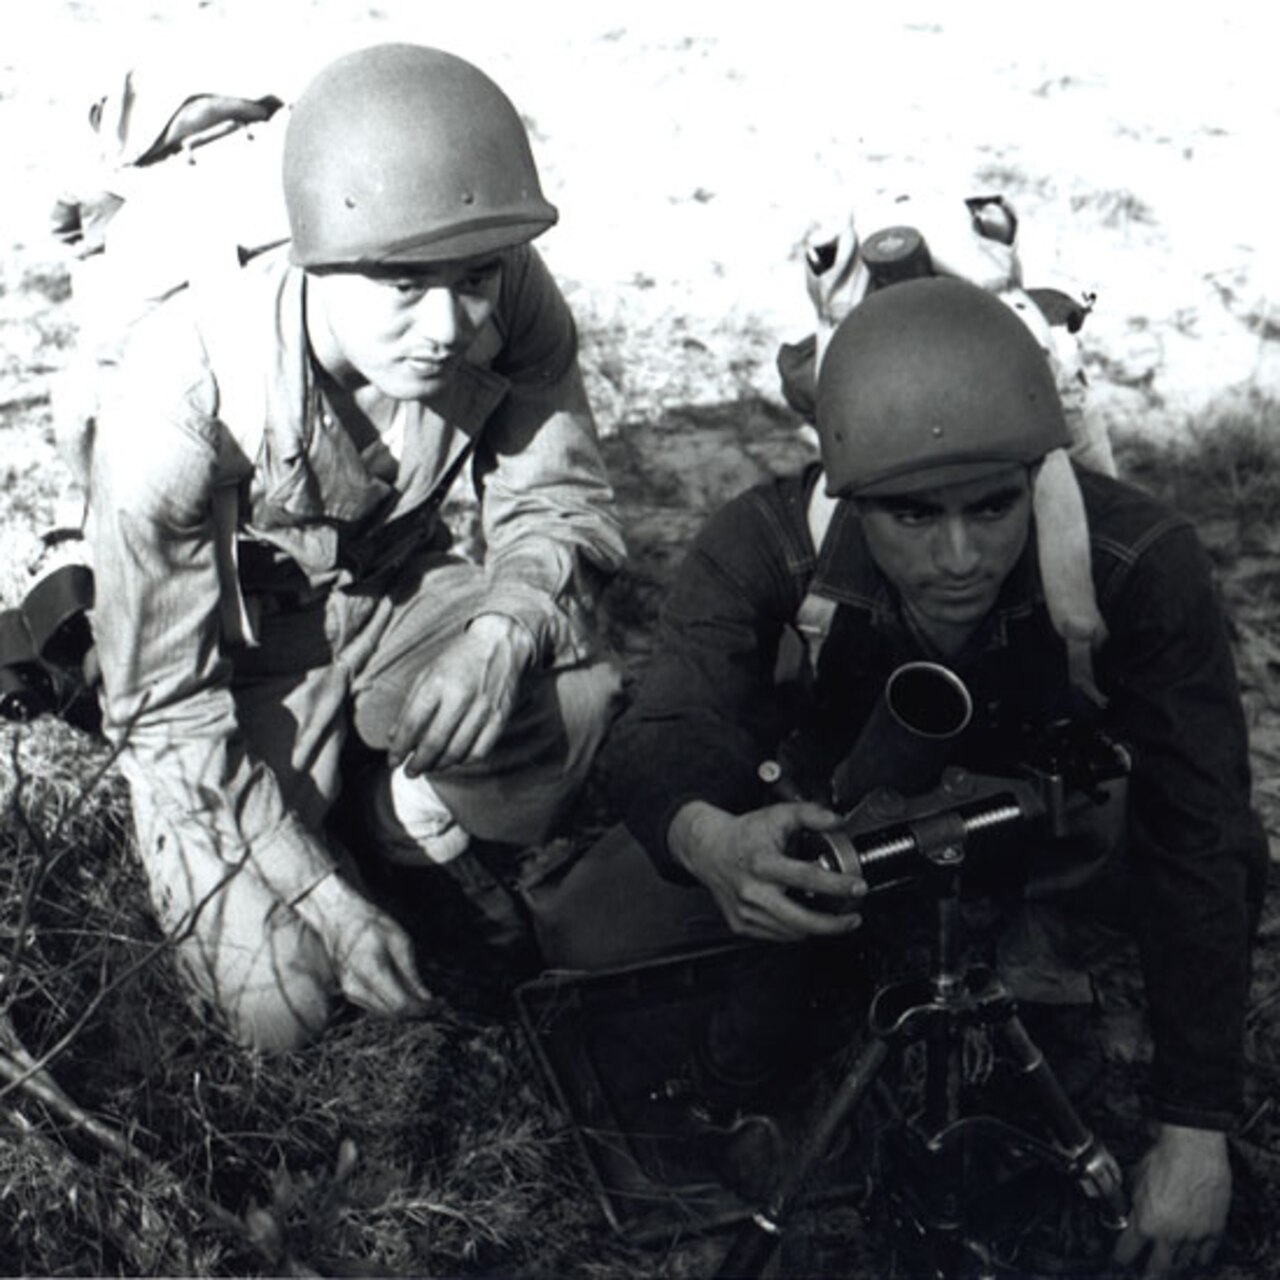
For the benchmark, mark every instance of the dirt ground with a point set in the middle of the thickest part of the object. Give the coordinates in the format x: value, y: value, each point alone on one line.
x: 692, y: 150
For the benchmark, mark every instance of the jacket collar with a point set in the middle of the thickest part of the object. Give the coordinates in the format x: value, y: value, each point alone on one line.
x: 308, y: 468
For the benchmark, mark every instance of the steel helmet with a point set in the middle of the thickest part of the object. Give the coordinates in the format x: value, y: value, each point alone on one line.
x: 404, y: 154
x: 932, y: 382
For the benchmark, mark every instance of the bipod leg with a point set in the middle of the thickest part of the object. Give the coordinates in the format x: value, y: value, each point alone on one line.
x: 759, y: 1236
x: 1089, y: 1161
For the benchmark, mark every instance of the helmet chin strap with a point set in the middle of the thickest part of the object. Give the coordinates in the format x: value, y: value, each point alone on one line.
x: 1064, y: 555
x: 1066, y: 567
x: 836, y: 280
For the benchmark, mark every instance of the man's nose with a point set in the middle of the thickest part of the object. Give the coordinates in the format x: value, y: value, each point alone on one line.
x: 956, y: 552
x: 439, y: 318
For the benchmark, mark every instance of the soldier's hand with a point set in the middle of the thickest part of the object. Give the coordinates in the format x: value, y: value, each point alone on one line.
x: 1181, y: 1194
x: 373, y: 958
x: 460, y: 705
x: 741, y: 861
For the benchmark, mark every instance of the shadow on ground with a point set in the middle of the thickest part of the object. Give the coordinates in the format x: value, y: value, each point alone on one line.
x: 669, y: 476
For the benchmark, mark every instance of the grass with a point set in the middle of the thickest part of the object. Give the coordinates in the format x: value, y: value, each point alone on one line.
x: 401, y: 1149
x: 1225, y: 475
x: 427, y: 1148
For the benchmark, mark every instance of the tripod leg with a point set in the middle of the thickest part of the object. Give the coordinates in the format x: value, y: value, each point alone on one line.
x: 758, y: 1237
x: 1095, y: 1168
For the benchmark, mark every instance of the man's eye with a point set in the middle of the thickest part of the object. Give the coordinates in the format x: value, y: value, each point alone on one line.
x: 479, y: 279
x: 409, y: 288
x: 912, y: 517
x: 994, y: 510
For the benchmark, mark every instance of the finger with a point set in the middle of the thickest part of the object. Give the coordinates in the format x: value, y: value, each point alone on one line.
x: 400, y: 950
x: 370, y: 991
x: 431, y: 751
x: 804, y: 815
x: 817, y: 817
x: 495, y: 724
x: 485, y: 725
x: 413, y: 723
x: 383, y: 990
x: 798, y: 920
x: 810, y: 877
x: 459, y: 746
x: 750, y: 922
x: 1129, y: 1246
x: 1160, y: 1261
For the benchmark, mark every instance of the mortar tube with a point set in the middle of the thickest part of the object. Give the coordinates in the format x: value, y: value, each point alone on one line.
x: 908, y: 738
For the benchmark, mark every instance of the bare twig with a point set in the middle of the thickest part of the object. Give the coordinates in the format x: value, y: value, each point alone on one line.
x: 109, y: 986
x: 26, y: 1073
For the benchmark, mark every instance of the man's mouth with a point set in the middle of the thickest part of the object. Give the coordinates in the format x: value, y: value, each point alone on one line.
x: 430, y: 366
x: 960, y: 592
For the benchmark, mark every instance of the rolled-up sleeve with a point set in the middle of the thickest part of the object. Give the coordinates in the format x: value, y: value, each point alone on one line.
x: 551, y: 534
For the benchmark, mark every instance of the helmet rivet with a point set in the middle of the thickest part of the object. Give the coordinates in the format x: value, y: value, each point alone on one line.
x: 427, y: 150
x: 928, y: 376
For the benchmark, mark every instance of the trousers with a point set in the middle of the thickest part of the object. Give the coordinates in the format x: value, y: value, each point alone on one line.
x: 325, y: 678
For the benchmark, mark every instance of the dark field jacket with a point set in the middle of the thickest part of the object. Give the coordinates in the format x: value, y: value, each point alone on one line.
x: 710, y: 710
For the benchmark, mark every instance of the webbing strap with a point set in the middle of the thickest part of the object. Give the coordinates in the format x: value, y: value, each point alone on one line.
x: 813, y: 618
x: 242, y: 411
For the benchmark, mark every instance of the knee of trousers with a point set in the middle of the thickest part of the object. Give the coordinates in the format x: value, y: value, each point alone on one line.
x: 246, y: 957
x: 589, y: 699
x: 274, y: 998
x: 515, y: 794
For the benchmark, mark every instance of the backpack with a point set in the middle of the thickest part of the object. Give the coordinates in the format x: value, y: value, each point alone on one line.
x: 163, y: 159
x: 183, y: 189
x: 974, y: 239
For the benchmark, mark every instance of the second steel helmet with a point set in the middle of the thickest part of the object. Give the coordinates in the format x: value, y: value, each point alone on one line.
x: 404, y: 154
x: 931, y: 382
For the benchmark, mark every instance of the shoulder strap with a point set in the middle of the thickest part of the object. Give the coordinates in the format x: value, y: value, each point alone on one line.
x: 813, y: 618
x: 242, y: 413
x: 228, y: 341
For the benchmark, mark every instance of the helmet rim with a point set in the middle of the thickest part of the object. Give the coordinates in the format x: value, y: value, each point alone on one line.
x: 403, y: 154
x: 932, y: 381
x: 492, y: 234
x: 920, y: 479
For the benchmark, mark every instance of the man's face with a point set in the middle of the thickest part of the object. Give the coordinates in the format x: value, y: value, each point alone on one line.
x: 948, y: 550
x: 403, y: 331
